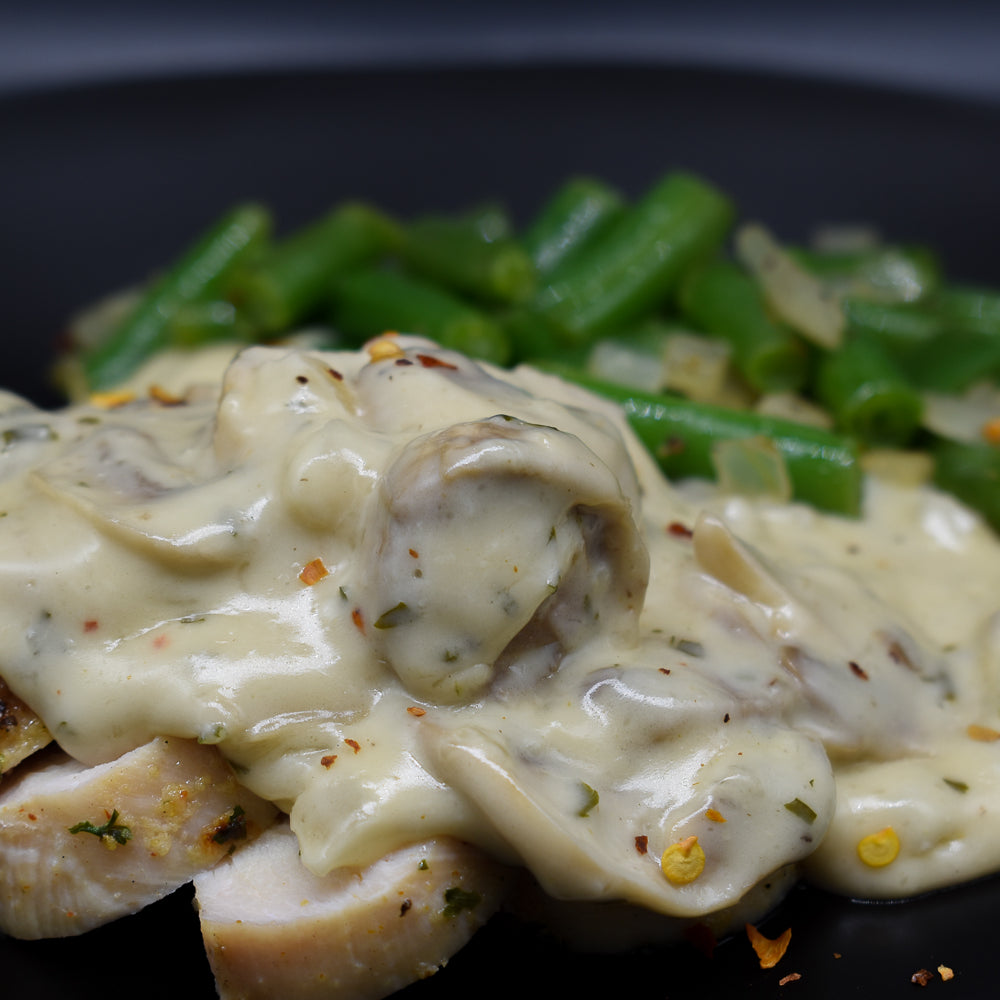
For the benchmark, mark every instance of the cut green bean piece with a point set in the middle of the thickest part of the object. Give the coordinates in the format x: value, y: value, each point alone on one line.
x: 972, y: 473
x: 199, y: 275
x: 900, y: 328
x: 368, y: 303
x: 580, y: 211
x: 635, y: 266
x: 951, y: 362
x: 868, y: 395
x: 882, y: 273
x: 823, y: 467
x: 292, y: 282
x: 972, y: 310
x: 197, y: 323
x: 472, y: 254
x: 723, y: 300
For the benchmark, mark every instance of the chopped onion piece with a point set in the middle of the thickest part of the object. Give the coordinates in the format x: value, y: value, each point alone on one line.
x: 751, y: 467
x: 845, y: 238
x: 799, y: 298
x: 696, y: 366
x: 790, y: 406
x: 903, y: 468
x: 962, y: 418
x: 626, y: 364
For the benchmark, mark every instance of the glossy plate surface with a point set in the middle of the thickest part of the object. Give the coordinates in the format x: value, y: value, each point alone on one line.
x: 101, y: 185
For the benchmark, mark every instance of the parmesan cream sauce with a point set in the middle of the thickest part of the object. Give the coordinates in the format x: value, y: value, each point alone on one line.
x: 416, y: 595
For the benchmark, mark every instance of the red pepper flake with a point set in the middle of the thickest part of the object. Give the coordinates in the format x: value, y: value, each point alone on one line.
x: 642, y: 843
x: 922, y: 977
x: 416, y: 711
x: 403, y: 362
x: 32, y: 817
x: 857, y: 670
x: 90, y: 625
x: 353, y: 744
x: 359, y: 620
x: 769, y: 951
x: 335, y: 375
x: 792, y: 977
x: 429, y: 361
x: 898, y: 655
x: 161, y: 641
x: 673, y: 445
x: 679, y: 530
x: 313, y: 572
x: 702, y: 937
x: 664, y: 670
x: 414, y: 553
x: 328, y: 760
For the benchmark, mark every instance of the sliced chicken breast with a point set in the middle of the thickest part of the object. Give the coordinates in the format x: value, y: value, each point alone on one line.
x: 273, y: 929
x: 82, y: 846
x: 21, y: 731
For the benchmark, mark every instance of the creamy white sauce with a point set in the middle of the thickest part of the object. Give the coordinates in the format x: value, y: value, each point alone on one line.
x: 416, y: 596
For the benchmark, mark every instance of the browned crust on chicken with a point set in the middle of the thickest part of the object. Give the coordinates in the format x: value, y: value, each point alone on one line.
x: 22, y: 732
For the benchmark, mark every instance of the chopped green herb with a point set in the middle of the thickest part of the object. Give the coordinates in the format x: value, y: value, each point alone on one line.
x: 213, y: 734
x: 112, y: 830
x: 590, y: 799
x: 233, y: 828
x: 457, y: 899
x: 423, y: 866
x: 959, y: 786
x: 27, y: 432
x: 687, y: 646
x: 399, y: 615
x: 799, y: 808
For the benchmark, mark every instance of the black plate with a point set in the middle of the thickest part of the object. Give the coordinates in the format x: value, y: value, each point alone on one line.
x: 100, y: 185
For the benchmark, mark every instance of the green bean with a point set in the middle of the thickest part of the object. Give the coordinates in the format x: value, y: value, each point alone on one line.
x: 882, y: 273
x: 292, y: 281
x: 634, y: 267
x: 199, y: 275
x: 972, y: 473
x: 580, y: 211
x: 207, y: 322
x: 868, y: 395
x: 370, y: 302
x: 725, y: 301
x: 823, y: 467
x: 973, y: 310
x: 474, y: 255
x: 900, y: 328
x: 953, y: 361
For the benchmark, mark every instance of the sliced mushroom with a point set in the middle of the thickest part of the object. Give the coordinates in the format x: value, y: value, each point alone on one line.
x: 82, y: 846
x: 273, y: 929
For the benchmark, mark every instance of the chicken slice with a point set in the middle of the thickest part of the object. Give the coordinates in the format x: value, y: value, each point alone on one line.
x: 21, y: 731
x: 82, y: 846
x: 273, y: 929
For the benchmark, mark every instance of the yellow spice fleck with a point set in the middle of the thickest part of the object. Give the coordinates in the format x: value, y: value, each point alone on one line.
x: 715, y: 816
x: 384, y: 348
x: 879, y: 849
x: 112, y: 399
x: 683, y: 862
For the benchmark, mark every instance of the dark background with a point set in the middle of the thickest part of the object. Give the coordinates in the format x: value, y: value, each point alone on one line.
x: 943, y: 47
